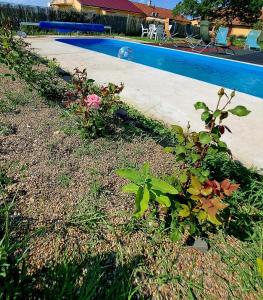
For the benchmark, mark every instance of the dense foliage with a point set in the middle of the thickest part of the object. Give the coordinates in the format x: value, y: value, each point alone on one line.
x: 246, y: 10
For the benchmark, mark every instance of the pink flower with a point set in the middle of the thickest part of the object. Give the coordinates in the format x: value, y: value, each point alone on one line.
x: 93, y: 101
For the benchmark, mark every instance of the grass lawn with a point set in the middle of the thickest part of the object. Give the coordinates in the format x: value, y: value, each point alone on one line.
x: 81, y: 239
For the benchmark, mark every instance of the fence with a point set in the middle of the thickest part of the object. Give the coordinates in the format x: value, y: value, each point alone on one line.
x: 120, y: 24
x: 20, y: 13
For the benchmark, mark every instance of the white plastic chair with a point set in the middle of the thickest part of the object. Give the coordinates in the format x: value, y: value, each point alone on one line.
x: 159, y: 33
x: 152, y: 29
x: 144, y: 31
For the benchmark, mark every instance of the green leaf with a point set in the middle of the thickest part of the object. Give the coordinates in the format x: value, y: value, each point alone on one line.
x: 195, y: 157
x: 162, y: 186
x: 260, y: 266
x: 201, y: 216
x: 222, y: 144
x: 176, y: 234
x: 130, y: 188
x: 131, y: 174
x: 200, y: 105
x: 212, y: 151
x: 180, y: 150
x: 138, y: 199
x: 240, y: 111
x: 185, y: 211
x: 145, y: 170
x: 163, y: 200
x: 183, y: 178
x: 177, y: 129
x: 217, y: 113
x: 169, y: 149
x: 205, y: 173
x: 213, y: 220
x: 189, y: 145
x: 144, y: 203
x: 205, y: 116
x: 180, y: 138
x: 204, y: 138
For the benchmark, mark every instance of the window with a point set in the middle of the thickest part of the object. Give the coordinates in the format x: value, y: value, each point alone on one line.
x: 155, y: 14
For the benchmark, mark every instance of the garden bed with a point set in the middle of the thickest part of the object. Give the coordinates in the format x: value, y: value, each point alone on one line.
x: 68, y: 201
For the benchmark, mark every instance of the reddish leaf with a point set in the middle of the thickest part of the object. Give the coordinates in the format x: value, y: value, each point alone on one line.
x: 212, y: 206
x: 222, y: 129
x: 228, y: 187
x: 215, y: 186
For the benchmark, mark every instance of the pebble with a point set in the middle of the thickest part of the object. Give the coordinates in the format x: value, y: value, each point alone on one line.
x: 200, y: 245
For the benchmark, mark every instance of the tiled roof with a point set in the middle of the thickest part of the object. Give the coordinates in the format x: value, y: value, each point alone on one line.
x: 163, y: 13
x: 123, y: 5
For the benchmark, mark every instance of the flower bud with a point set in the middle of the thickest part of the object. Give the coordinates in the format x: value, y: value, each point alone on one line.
x: 221, y: 92
x: 233, y: 94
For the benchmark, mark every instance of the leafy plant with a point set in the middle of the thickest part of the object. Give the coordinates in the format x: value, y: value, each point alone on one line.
x: 6, y: 129
x: 16, y: 54
x: 95, y: 105
x: 203, y: 195
x: 197, y: 202
x: 64, y: 180
x: 147, y: 188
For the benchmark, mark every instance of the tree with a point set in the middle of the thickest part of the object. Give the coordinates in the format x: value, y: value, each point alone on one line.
x: 247, y: 11
x: 187, y: 8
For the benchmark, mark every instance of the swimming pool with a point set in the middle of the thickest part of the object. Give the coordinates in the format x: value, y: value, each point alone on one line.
x: 246, y: 78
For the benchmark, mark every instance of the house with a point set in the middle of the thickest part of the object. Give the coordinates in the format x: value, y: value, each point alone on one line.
x: 239, y: 28
x: 155, y: 13
x: 101, y: 7
x: 195, y: 21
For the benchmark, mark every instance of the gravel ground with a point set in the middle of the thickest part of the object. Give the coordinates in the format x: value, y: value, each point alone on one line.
x: 58, y: 175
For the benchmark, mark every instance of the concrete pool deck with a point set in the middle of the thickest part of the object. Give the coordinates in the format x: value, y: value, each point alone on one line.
x: 163, y: 95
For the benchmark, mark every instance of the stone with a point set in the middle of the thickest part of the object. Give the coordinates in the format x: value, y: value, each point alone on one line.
x: 200, y: 245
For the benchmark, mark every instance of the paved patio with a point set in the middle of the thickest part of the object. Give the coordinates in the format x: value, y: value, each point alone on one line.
x: 163, y: 95
x: 248, y: 56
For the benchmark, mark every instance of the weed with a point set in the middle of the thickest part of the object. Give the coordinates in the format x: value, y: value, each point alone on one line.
x: 85, y: 149
x: 96, y: 189
x: 6, y: 129
x: 11, y: 100
x: 53, y: 145
x: 64, y: 180
x: 87, y: 216
x: 241, y: 258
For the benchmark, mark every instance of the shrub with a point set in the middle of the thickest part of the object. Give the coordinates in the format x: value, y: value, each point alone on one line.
x: 16, y: 54
x: 196, y: 200
x: 258, y: 25
x: 95, y: 105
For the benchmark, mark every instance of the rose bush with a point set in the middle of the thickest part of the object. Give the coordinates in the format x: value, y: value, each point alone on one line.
x: 95, y: 105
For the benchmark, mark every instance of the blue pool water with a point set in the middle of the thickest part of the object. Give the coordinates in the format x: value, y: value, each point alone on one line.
x: 238, y: 76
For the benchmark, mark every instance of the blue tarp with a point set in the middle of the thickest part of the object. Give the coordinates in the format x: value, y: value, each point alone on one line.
x: 70, y: 26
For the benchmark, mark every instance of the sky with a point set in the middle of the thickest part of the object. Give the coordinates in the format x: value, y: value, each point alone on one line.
x: 161, y: 3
